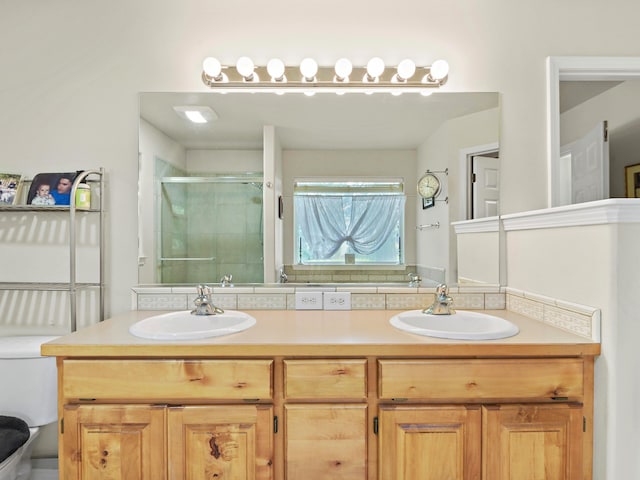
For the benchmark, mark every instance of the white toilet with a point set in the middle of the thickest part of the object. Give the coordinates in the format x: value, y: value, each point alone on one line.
x: 29, y: 391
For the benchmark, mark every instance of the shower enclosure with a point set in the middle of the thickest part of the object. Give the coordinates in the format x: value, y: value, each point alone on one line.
x: 210, y: 226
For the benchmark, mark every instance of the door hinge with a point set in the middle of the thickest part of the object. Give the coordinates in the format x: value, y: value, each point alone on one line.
x: 473, y: 178
x: 275, y: 424
x: 375, y: 425
x: 62, y: 425
x: 605, y: 130
x: 584, y: 424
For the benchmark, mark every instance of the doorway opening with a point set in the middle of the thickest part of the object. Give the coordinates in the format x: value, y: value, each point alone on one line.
x: 484, y: 185
x: 480, y: 181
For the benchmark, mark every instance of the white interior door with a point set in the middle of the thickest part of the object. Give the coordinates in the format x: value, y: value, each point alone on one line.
x: 486, y: 186
x: 583, y: 169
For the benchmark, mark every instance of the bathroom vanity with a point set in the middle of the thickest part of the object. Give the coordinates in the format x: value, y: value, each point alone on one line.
x: 325, y: 395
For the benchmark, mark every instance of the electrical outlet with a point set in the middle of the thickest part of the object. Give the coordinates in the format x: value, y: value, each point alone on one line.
x: 337, y: 300
x: 308, y: 300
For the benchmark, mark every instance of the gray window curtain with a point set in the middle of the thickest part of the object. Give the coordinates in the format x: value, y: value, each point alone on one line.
x: 364, y: 222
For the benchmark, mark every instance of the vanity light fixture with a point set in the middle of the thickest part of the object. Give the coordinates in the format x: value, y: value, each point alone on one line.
x: 343, y: 69
x: 375, y: 68
x: 308, y: 69
x: 406, y: 69
x: 438, y: 71
x: 310, y: 78
x: 213, y: 69
x: 275, y: 67
x: 246, y: 69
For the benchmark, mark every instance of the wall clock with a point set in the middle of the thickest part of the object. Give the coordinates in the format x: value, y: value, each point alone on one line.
x: 428, y: 185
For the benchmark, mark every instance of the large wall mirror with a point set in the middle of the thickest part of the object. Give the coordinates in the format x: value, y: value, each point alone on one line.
x: 217, y: 198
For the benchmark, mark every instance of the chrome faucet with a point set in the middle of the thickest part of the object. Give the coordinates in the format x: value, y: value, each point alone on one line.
x: 203, y: 303
x: 414, y: 279
x: 442, y: 304
x: 226, y: 280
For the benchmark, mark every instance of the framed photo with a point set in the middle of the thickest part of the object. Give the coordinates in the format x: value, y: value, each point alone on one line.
x: 428, y: 202
x: 9, y: 186
x: 632, y: 180
x: 51, y: 189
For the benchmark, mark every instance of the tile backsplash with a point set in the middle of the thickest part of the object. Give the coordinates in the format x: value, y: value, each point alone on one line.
x: 579, y: 319
x: 363, y: 297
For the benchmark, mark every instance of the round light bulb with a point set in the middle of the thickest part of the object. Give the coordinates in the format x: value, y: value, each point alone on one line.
x: 375, y: 67
x: 406, y: 69
x: 343, y: 69
x: 212, y: 67
x: 275, y: 67
x: 245, y: 67
x: 439, y: 69
x: 308, y: 68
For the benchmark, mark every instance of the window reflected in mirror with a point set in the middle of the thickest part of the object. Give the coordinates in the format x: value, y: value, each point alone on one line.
x: 349, y: 222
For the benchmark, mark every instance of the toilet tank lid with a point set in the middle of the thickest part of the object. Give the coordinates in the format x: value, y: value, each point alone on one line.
x: 26, y: 346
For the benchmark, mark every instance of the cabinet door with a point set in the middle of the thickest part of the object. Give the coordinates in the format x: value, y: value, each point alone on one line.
x: 229, y: 442
x: 326, y: 441
x: 532, y: 442
x: 424, y: 442
x: 114, y: 441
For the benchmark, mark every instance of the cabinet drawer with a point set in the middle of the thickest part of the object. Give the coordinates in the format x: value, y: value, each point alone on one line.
x: 168, y: 380
x: 325, y: 379
x: 481, y: 379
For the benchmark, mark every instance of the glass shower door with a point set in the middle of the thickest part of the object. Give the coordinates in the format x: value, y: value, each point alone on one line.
x: 211, y: 227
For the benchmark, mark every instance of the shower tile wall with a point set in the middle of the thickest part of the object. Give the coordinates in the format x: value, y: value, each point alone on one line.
x: 225, y: 221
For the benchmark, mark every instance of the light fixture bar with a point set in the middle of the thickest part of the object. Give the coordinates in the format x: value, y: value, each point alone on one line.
x: 325, y: 79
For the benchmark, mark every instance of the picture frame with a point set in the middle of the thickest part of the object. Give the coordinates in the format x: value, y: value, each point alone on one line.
x: 51, y: 189
x: 632, y: 180
x: 10, y: 184
x: 428, y: 202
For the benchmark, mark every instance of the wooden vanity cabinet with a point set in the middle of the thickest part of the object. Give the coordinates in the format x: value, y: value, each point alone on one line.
x: 489, y: 419
x: 533, y: 441
x: 113, y: 441
x: 326, y: 419
x: 232, y: 442
x: 347, y: 418
x: 183, y: 419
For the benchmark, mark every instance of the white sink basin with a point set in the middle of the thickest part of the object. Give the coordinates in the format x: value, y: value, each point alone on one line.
x: 185, y: 326
x: 462, y: 325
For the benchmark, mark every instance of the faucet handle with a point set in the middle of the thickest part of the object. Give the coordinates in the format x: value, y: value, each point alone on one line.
x: 203, y: 290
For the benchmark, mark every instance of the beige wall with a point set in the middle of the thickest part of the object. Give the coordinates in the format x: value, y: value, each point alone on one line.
x: 478, y: 260
x: 71, y: 79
